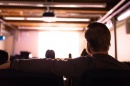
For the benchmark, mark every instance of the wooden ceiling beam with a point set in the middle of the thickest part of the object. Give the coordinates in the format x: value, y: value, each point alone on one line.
x: 39, y: 12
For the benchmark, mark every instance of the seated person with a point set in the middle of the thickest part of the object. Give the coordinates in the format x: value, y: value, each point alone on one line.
x: 50, y: 54
x: 84, y: 53
x: 4, y: 59
x: 98, y: 41
x: 70, y: 55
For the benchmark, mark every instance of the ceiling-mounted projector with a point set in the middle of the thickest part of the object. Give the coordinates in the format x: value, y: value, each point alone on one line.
x: 48, y: 14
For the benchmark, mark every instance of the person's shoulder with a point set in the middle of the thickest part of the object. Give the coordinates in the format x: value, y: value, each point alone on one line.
x: 83, y: 58
x: 87, y: 56
x: 5, y: 65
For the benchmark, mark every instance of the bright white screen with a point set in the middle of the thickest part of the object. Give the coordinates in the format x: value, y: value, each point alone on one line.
x: 62, y: 42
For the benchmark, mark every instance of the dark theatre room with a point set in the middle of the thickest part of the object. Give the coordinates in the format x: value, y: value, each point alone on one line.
x: 64, y: 42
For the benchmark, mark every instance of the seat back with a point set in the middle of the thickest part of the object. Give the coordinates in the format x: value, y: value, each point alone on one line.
x: 18, y: 78
x: 106, y: 78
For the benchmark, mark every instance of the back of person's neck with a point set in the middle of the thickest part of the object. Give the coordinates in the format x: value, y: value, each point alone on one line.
x: 103, y: 52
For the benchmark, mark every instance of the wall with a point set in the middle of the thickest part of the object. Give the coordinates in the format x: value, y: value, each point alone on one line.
x: 29, y: 41
x: 112, y: 46
x: 26, y: 41
x: 2, y: 45
x: 62, y: 42
x: 9, y: 44
x: 123, y: 42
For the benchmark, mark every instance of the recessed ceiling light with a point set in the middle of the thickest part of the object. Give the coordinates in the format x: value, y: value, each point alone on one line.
x: 48, y: 19
x: 124, y: 15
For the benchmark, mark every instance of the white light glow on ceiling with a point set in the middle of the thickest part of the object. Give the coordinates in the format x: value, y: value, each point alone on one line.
x: 47, y: 19
x: 1, y: 3
x: 51, y: 28
x: 14, y: 18
x: 91, y: 5
x: 39, y: 5
x: 124, y: 15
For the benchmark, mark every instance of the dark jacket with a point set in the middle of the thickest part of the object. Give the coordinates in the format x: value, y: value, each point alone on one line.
x: 69, y: 67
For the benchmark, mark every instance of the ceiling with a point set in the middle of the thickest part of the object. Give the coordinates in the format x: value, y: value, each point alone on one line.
x: 85, y: 11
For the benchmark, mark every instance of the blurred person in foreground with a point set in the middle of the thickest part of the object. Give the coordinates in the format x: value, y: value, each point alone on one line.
x: 98, y: 42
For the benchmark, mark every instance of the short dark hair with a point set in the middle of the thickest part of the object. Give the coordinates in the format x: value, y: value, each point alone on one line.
x: 98, y: 36
x: 50, y: 54
x: 3, y: 57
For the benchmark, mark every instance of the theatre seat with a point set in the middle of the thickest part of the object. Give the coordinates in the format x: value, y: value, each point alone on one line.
x: 17, y: 78
x: 106, y: 78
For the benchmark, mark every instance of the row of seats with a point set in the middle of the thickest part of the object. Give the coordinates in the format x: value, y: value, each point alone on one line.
x: 103, y: 78
x: 10, y: 77
x: 106, y: 78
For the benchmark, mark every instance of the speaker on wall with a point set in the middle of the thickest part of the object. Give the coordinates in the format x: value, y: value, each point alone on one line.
x: 128, y: 25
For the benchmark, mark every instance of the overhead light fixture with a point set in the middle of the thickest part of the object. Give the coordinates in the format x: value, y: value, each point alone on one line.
x: 48, y: 14
x: 14, y: 18
x: 53, y: 4
x: 79, y: 5
x: 48, y: 19
x: 124, y: 15
x: 73, y: 19
x: 51, y: 28
x: 102, y: 19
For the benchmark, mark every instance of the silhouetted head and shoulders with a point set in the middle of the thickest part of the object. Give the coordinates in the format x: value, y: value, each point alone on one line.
x: 70, y: 56
x: 50, y: 54
x: 98, y: 42
x: 84, y: 53
x: 4, y: 59
x: 98, y: 38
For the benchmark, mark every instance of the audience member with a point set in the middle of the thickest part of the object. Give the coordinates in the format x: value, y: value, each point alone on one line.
x: 50, y: 54
x: 4, y: 59
x: 84, y: 53
x: 98, y: 41
x: 70, y: 55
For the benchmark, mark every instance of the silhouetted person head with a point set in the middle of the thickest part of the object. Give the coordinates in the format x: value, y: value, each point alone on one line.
x: 84, y: 53
x: 98, y: 38
x: 4, y: 57
x: 50, y: 54
x: 70, y: 55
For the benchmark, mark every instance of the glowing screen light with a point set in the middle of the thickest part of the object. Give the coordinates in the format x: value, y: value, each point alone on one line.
x: 62, y: 42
